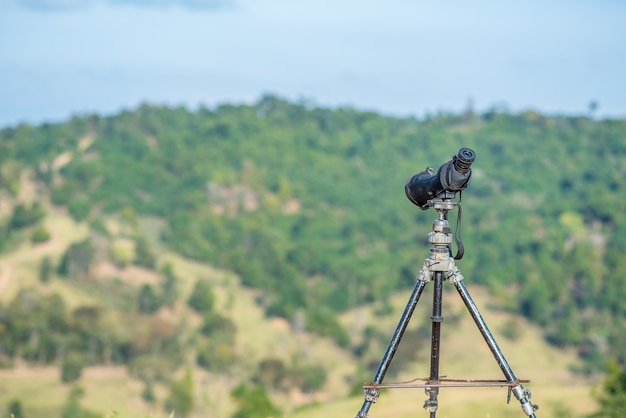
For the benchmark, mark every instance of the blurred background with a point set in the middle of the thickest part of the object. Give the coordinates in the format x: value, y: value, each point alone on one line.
x: 202, y: 209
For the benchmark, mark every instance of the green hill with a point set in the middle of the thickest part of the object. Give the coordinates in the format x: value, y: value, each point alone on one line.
x: 238, y: 240
x: 115, y: 390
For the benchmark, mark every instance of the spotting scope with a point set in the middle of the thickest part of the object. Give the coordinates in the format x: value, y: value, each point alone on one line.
x: 451, y: 177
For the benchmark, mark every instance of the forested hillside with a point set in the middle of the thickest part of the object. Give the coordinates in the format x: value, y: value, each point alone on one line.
x: 306, y: 205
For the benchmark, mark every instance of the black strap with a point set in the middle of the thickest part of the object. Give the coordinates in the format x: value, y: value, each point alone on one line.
x: 457, y: 236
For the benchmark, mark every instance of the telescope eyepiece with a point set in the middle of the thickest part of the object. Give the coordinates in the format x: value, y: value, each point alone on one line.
x: 463, y: 160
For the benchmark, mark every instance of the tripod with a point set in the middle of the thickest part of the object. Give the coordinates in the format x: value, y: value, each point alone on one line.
x: 440, y: 266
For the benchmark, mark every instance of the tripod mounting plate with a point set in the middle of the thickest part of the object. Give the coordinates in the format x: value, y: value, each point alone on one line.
x: 442, y: 204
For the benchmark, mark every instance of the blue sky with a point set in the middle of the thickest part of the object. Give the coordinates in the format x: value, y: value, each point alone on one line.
x: 398, y: 57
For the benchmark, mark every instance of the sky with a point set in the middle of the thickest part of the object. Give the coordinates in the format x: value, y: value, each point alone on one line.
x: 60, y: 58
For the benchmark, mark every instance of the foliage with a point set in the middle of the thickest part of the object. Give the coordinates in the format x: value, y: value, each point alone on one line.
x: 15, y: 409
x: 72, y: 407
x: 306, y: 204
x: 215, y: 348
x: 169, y: 285
x: 9, y: 177
x: 98, y: 225
x: 148, y: 300
x: 144, y: 256
x: 310, y: 378
x: 215, y: 355
x: 33, y: 324
x: 180, y: 400
x: 79, y: 207
x: 72, y: 367
x: 77, y: 260
x: 218, y: 327
x: 39, y: 327
x: 147, y: 394
x: 272, y: 373
x: 253, y: 402
x: 24, y: 216
x: 324, y: 323
x: 202, y: 298
x: 45, y: 270
x: 40, y: 234
x: 612, y: 398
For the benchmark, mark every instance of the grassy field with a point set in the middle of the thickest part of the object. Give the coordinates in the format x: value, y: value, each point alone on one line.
x: 464, y: 354
x: 42, y: 395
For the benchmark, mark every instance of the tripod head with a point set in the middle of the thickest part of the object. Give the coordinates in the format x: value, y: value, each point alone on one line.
x: 427, y: 189
x: 441, y: 227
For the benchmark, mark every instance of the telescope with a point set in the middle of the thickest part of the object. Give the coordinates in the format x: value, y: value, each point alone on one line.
x: 451, y: 177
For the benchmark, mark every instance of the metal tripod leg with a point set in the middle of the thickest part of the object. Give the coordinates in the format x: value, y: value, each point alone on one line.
x: 522, y: 395
x: 432, y: 403
x: 371, y: 395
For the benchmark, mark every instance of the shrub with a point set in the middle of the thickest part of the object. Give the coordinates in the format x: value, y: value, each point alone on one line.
x: 40, y: 234
x: 143, y: 254
x: 253, y: 403
x: 45, y: 270
x: 23, y: 216
x: 79, y: 208
x: 15, y: 409
x: 202, y: 298
x: 72, y: 367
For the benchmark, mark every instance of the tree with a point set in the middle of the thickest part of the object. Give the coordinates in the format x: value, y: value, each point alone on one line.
x: 72, y: 407
x: 215, y: 355
x: 148, y: 301
x: 253, y: 402
x: 143, y: 254
x: 24, y: 216
x: 309, y: 378
x: 10, y: 177
x: 128, y: 220
x: 169, y: 286
x: 180, y: 399
x: 202, y: 298
x: 40, y: 234
x: 72, y: 367
x: 79, y: 207
x: 323, y: 322
x: 147, y: 394
x: 77, y: 260
x: 218, y: 327
x: 15, y: 409
x: 45, y: 270
x: 271, y: 373
x: 612, y: 399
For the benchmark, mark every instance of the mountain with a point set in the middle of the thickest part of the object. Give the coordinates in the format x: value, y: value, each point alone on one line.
x: 131, y: 240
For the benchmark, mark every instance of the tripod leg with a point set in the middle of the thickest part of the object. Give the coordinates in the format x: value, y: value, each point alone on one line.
x: 522, y: 395
x: 372, y: 394
x: 433, y: 392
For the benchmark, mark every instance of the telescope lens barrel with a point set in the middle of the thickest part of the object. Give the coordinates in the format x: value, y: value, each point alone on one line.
x: 451, y: 177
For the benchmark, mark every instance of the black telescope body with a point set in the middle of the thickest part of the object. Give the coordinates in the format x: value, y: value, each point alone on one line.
x: 451, y: 177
